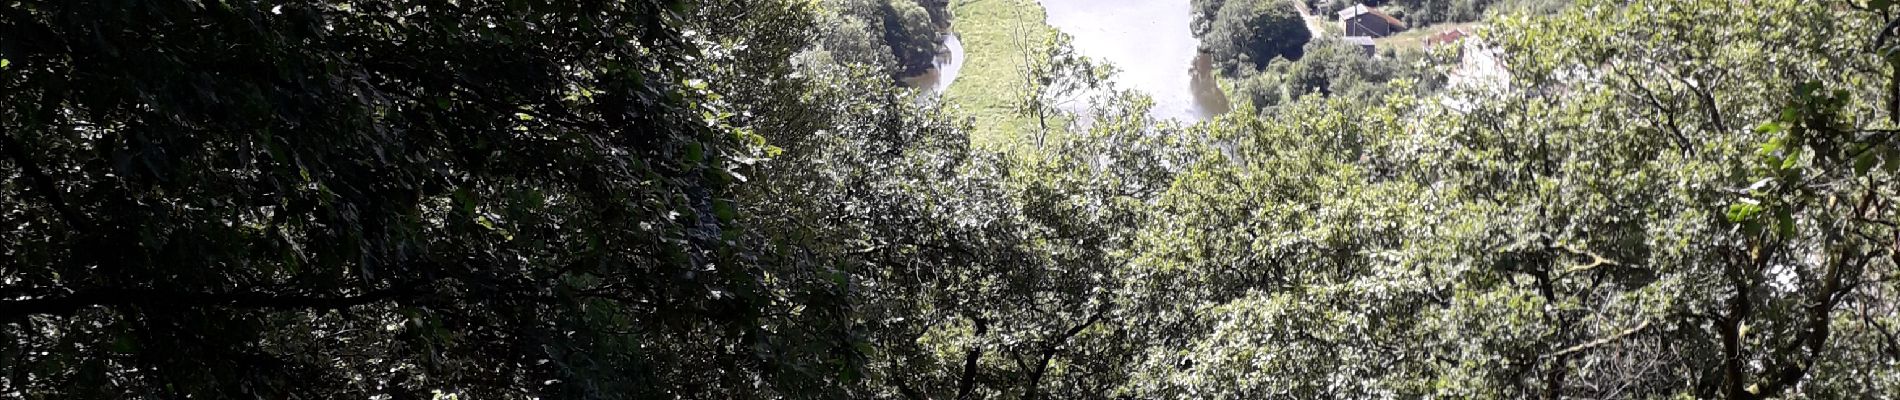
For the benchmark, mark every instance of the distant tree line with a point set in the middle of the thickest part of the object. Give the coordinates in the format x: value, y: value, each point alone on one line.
x: 1420, y: 13
x: 1333, y: 68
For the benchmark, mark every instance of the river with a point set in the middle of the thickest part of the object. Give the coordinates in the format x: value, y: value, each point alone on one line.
x: 945, y: 69
x: 1151, y: 47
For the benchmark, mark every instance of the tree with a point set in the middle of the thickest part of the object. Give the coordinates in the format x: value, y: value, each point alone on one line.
x: 1204, y: 13
x: 913, y: 37
x: 352, y: 199
x: 1246, y: 34
x: 1611, y: 227
x: 1331, y: 67
x: 728, y: 199
x: 895, y: 35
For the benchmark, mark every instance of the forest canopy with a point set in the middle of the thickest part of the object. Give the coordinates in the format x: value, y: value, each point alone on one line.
x: 424, y: 199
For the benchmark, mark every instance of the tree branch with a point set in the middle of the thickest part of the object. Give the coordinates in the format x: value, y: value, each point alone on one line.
x: 13, y: 310
x: 1813, y: 338
x: 37, y: 177
x: 968, y: 382
x: 43, y: 184
x: 1889, y: 345
x: 1602, y: 341
x: 1050, y: 348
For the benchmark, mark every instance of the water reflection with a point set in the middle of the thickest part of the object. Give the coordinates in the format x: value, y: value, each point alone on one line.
x: 949, y: 63
x: 1151, y: 47
x: 1208, y: 99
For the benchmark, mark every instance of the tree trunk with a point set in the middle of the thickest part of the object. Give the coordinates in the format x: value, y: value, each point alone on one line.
x: 968, y: 384
x: 1035, y: 377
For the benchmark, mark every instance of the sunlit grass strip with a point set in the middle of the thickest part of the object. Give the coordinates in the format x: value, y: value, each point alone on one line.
x: 999, y: 38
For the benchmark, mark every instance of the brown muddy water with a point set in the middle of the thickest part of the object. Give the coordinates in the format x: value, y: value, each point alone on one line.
x: 949, y: 63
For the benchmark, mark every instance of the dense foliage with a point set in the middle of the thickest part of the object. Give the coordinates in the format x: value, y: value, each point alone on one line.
x: 1248, y: 34
x: 729, y: 199
x: 342, y: 199
x: 1639, y: 213
x: 898, y: 36
x: 1333, y: 68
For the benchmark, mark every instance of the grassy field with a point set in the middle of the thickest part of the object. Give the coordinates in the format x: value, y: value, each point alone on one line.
x: 1415, y: 38
x: 999, y: 38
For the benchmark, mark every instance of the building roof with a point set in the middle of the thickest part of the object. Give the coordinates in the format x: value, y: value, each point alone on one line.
x: 1353, y: 11
x: 1357, y: 10
x: 1445, y: 37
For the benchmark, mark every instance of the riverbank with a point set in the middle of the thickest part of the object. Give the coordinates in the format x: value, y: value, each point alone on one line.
x: 1000, y: 40
x: 943, y: 71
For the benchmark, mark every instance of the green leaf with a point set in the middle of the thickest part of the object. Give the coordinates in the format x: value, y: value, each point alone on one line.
x: 848, y: 374
x: 1784, y: 221
x: 725, y: 210
x: 1866, y: 162
x: 695, y: 152
x: 125, y: 343
x: 839, y: 277
x: 1740, y: 212
x: 1893, y: 160
x: 464, y: 200
x: 1770, y: 150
